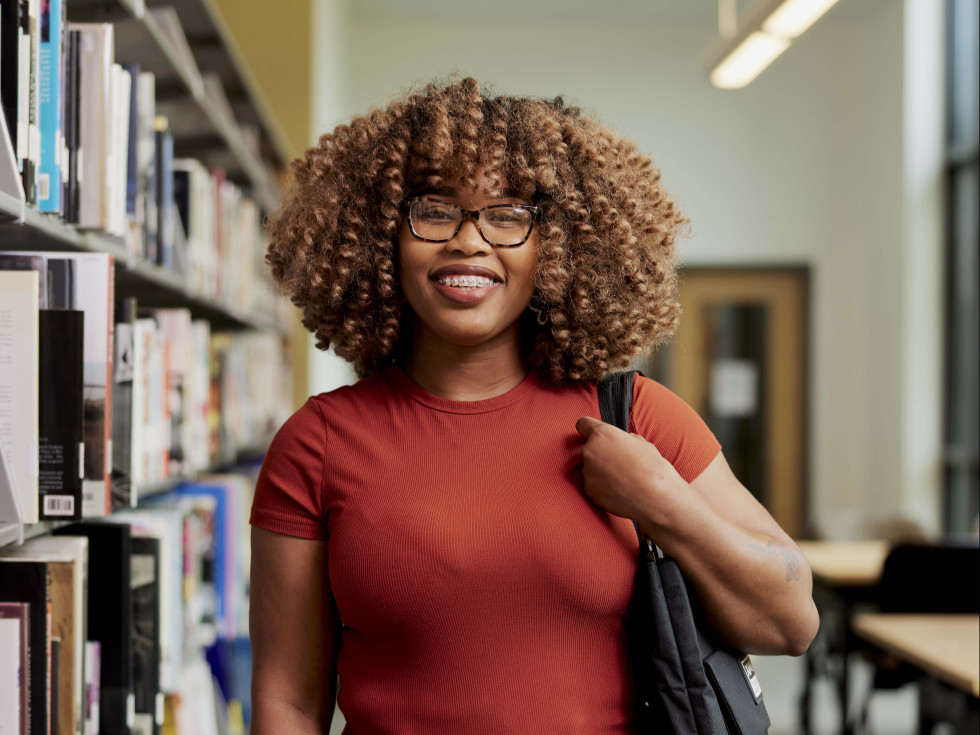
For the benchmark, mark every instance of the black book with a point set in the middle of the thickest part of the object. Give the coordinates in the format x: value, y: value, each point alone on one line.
x: 55, y: 689
x: 23, y: 580
x: 110, y: 617
x: 13, y: 14
x: 60, y: 283
x: 61, y: 441
x: 122, y: 403
x: 145, y: 583
x: 164, y: 161
x: 71, y: 127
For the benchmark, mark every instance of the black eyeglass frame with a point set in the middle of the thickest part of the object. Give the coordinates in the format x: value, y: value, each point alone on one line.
x: 406, y: 207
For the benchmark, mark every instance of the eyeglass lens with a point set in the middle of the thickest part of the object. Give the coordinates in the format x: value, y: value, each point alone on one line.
x: 501, y: 225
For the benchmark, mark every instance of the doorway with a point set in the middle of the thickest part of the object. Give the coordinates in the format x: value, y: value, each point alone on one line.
x: 739, y: 359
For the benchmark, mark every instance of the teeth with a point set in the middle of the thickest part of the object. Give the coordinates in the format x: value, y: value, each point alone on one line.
x: 465, y: 281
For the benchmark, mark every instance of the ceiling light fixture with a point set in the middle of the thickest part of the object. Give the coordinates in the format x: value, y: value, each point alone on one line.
x: 770, y: 26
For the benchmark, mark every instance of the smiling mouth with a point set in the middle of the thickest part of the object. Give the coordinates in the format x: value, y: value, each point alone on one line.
x: 466, y: 282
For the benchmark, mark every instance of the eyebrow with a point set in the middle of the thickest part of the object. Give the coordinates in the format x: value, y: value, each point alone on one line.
x: 449, y: 191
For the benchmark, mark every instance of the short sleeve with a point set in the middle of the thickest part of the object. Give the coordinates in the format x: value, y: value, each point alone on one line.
x: 288, y: 495
x: 674, y: 428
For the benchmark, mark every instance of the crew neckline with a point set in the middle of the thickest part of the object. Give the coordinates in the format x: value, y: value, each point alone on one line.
x: 404, y: 383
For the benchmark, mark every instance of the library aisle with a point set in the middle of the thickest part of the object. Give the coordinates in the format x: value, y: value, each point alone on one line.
x: 145, y: 363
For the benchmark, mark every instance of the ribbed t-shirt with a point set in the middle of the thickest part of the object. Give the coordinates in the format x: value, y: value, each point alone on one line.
x: 480, y: 590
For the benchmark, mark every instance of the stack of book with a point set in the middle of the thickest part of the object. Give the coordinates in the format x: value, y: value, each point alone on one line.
x: 107, y: 626
x: 106, y: 401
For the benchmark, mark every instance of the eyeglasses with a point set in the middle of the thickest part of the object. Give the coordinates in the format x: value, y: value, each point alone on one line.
x: 504, y: 225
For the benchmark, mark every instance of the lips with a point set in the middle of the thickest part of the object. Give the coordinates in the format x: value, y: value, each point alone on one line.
x: 470, y: 273
x: 466, y: 284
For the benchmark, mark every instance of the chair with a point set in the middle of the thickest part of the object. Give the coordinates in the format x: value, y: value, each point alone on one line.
x: 921, y: 578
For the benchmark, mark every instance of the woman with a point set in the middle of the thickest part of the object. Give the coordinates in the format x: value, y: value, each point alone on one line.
x: 450, y: 535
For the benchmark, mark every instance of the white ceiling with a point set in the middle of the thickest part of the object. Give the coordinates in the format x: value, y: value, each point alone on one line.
x: 608, y: 11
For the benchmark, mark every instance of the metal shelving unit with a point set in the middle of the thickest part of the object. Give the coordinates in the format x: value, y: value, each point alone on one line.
x: 8, y: 532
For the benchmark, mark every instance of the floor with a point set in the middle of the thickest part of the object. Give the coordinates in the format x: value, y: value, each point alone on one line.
x: 892, y: 713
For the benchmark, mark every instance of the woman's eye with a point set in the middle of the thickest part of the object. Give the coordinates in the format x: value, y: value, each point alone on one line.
x: 438, y: 214
x: 504, y: 217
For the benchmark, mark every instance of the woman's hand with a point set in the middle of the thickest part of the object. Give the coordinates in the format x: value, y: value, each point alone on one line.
x: 625, y: 474
x: 752, y: 581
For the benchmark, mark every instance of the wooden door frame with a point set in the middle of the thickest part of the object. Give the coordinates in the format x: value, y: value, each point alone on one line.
x: 792, y: 511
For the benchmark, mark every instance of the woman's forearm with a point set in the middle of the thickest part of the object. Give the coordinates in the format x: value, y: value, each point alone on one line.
x: 755, y: 588
x: 271, y: 717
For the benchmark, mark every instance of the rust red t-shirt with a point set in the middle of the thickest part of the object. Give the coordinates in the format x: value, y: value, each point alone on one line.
x: 480, y: 590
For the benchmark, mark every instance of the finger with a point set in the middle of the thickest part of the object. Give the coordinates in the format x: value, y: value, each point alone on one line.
x: 586, y: 425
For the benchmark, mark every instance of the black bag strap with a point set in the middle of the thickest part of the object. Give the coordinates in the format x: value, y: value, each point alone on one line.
x: 615, y: 400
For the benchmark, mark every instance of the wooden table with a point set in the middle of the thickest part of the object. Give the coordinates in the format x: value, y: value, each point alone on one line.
x: 945, y: 646
x: 846, y: 563
x: 846, y: 572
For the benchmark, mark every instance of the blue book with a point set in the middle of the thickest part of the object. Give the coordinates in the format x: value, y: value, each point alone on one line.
x: 131, y: 182
x: 50, y: 105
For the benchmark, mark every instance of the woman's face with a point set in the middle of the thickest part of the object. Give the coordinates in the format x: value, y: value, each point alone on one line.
x: 466, y: 292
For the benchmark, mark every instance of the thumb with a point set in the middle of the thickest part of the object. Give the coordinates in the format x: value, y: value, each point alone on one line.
x: 586, y: 425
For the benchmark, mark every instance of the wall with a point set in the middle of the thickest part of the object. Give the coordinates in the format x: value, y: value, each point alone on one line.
x: 278, y: 55
x: 806, y: 165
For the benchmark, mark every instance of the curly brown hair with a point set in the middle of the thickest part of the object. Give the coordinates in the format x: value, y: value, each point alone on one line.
x: 605, y: 284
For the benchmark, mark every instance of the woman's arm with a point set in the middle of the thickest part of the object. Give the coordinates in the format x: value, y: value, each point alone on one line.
x: 294, y: 636
x: 752, y: 581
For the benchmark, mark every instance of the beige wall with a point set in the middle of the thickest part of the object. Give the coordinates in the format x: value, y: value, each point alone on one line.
x: 276, y: 39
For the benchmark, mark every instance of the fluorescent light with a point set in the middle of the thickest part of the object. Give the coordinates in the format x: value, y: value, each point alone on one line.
x: 793, y: 17
x: 747, y: 60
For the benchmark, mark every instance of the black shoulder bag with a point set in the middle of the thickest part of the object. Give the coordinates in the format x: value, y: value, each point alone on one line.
x: 688, y: 682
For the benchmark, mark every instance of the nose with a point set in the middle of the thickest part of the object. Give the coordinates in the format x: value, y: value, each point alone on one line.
x: 468, y: 241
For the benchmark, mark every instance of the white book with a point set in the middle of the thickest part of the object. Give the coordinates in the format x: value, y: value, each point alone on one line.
x: 146, y: 204
x: 96, y: 55
x: 10, y: 680
x: 121, y: 91
x: 142, y: 440
x: 19, y: 365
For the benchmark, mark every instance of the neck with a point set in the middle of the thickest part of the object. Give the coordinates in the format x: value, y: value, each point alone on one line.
x: 463, y: 373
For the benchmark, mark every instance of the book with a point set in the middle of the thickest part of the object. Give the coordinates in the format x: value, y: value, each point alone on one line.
x: 51, y: 105
x: 19, y: 335
x: 145, y: 585
x: 69, y: 624
x: 146, y: 164
x: 61, y: 451
x: 26, y: 580
x: 33, y: 99
x: 93, y: 286
x: 28, y: 262
x: 164, y: 171
x: 14, y: 635
x: 96, y: 56
x: 10, y: 72
x: 93, y: 692
x: 175, y: 326
x: 122, y: 405
x: 73, y: 144
x: 110, y: 617
x: 60, y: 282
x: 119, y: 107
x: 54, y: 686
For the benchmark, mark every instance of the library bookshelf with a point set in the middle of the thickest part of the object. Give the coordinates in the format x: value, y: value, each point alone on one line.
x: 179, y: 222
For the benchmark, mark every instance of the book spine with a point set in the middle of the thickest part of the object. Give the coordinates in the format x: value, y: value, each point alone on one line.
x: 50, y: 69
x: 33, y: 124
x: 109, y: 375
